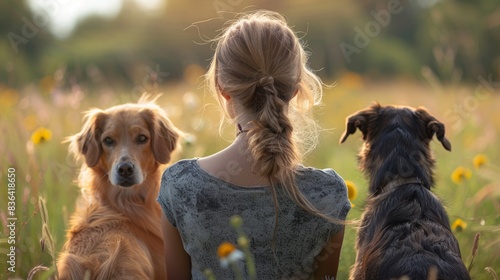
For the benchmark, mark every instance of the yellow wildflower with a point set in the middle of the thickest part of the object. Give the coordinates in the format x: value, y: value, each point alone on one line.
x: 228, y: 254
x: 41, y: 135
x: 225, y: 249
x: 479, y: 160
x: 458, y: 225
x: 352, y: 191
x: 460, y: 174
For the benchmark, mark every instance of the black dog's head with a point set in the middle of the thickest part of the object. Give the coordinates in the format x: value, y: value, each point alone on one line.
x: 396, y: 142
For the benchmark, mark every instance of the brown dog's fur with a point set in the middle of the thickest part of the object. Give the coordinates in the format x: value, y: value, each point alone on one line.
x: 115, y: 232
x: 404, y: 229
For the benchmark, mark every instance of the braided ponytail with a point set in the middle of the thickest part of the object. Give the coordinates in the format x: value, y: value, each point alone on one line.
x: 261, y: 64
x: 270, y: 133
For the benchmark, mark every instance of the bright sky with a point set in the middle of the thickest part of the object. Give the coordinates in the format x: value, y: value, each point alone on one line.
x: 64, y: 15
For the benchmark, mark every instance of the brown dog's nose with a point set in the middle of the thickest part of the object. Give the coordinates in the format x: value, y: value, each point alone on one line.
x: 125, y: 169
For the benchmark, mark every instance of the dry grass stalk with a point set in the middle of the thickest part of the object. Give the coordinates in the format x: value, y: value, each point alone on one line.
x: 492, y: 272
x: 475, y: 246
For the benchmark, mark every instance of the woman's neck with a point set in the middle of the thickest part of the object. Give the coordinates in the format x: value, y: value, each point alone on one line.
x: 234, y: 165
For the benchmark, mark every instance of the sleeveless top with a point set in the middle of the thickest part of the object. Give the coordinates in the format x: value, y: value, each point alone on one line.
x: 200, y: 205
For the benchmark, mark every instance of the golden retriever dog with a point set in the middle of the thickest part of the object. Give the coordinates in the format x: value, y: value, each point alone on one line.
x: 115, y: 232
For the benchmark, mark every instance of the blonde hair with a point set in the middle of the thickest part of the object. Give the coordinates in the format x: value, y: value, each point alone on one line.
x: 261, y: 64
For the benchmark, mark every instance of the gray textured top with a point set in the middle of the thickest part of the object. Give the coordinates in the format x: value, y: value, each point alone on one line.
x: 200, y: 205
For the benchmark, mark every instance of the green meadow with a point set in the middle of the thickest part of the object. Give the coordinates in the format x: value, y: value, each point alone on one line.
x: 43, y: 169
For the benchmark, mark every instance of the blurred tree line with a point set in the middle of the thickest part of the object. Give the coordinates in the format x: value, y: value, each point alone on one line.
x: 457, y: 39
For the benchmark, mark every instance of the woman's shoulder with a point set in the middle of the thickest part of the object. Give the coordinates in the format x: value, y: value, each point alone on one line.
x: 315, y: 176
x: 179, y: 174
x: 326, y: 189
x: 180, y: 167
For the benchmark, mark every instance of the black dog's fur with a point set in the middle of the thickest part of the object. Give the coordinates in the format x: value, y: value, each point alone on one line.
x: 404, y: 229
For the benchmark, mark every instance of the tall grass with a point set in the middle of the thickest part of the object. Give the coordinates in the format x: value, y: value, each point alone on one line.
x: 45, y: 170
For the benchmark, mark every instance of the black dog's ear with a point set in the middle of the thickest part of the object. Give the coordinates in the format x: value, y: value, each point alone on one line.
x: 360, y: 120
x: 434, y: 127
x: 357, y: 121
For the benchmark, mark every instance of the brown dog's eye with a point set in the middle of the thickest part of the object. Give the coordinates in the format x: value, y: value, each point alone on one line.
x: 108, y: 141
x: 141, y: 139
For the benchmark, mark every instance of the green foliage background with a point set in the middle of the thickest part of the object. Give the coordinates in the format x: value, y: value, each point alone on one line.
x: 439, y: 34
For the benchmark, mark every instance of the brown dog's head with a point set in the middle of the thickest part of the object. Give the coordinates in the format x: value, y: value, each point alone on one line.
x: 396, y: 142
x: 126, y: 142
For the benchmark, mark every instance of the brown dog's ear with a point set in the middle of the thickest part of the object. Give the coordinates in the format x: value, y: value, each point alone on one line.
x: 164, y: 135
x: 434, y: 127
x: 87, y: 142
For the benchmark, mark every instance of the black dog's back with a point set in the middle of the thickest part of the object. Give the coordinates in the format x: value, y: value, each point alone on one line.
x: 412, y: 238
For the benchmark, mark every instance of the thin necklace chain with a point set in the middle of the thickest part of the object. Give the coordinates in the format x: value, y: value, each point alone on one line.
x: 240, y: 130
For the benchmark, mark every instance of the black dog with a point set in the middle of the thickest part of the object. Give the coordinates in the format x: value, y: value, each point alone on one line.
x: 404, y: 229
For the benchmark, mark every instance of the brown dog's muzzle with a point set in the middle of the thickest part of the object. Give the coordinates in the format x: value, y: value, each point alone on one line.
x: 126, y: 172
